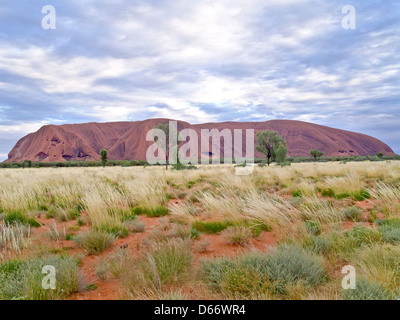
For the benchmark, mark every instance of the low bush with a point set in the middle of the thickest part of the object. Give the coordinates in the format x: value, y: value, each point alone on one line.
x: 19, y: 217
x: 366, y: 290
x: 157, y: 212
x: 118, y: 230
x: 23, y: 279
x: 297, y: 193
x: 94, y: 241
x: 101, y: 269
x: 238, y: 235
x: 344, y: 243
x: 291, y: 263
x: 328, y: 193
x: 172, y: 261
x: 254, y: 273
x: 211, y: 227
x: 135, y: 226
x: 361, y: 195
x: 390, y: 229
x: 165, y: 264
x: 352, y: 213
x: 313, y: 227
x: 379, y: 263
x: 154, y: 212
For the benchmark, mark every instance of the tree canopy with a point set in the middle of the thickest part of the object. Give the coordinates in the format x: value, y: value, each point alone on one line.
x: 165, y: 128
x: 272, y: 145
x: 103, y: 155
x: 316, y: 154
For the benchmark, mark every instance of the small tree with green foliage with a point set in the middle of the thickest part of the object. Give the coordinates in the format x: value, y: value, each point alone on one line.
x: 27, y: 163
x: 268, y: 143
x: 103, y: 155
x: 379, y: 155
x: 316, y: 154
x: 165, y: 128
x: 280, y: 154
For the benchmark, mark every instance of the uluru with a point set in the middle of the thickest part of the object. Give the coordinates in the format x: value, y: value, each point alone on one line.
x: 127, y: 140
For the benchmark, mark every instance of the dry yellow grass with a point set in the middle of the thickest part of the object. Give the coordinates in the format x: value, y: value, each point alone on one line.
x: 264, y: 198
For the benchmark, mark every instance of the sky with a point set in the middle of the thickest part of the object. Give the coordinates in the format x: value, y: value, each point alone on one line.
x: 200, y: 61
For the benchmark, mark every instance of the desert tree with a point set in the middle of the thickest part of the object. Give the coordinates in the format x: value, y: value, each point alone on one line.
x: 379, y: 155
x: 316, y: 154
x: 165, y: 129
x: 27, y: 163
x: 268, y: 143
x: 103, y: 155
x: 280, y: 154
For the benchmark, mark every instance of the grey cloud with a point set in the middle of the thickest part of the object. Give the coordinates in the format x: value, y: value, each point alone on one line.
x: 281, y: 61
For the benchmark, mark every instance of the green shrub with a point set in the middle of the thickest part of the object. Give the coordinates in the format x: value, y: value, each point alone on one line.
x: 23, y: 279
x: 291, y: 263
x: 154, y: 212
x: 181, y: 166
x: 363, y: 235
x: 366, y: 290
x: 379, y: 263
x: 318, y: 244
x: 345, y: 243
x: 214, y: 270
x: 242, y: 281
x: 211, y: 227
x: 138, y: 211
x: 94, y: 241
x: 157, y: 212
x: 169, y: 262
x: 91, y: 287
x: 257, y: 227
x: 151, y: 276
x: 125, y: 214
x: 390, y: 229
x: 69, y: 237
x: 328, y: 193
x: 313, y: 227
x: 352, y: 213
x: 297, y: 193
x: 194, y: 233
x: 118, y: 230
x: 361, y: 195
x: 340, y: 196
x: 390, y: 234
x: 18, y: 216
x: 255, y: 273
x: 392, y: 222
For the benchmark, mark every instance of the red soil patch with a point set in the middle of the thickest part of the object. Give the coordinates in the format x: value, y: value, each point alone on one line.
x: 219, y: 247
x: 106, y: 290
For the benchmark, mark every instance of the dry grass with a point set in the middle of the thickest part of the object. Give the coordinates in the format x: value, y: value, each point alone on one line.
x: 14, y: 237
x: 108, y: 199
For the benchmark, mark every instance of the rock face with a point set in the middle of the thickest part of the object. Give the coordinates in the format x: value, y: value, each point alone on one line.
x: 127, y: 140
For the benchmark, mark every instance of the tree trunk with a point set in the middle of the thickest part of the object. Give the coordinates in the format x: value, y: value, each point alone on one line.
x: 166, y: 160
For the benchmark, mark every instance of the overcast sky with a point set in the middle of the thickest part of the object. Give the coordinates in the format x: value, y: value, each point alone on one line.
x: 200, y: 61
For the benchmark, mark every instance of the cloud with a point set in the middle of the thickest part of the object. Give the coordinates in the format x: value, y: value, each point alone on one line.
x: 200, y: 61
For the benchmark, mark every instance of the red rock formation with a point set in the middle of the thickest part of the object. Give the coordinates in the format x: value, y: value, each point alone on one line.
x: 127, y: 140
